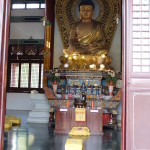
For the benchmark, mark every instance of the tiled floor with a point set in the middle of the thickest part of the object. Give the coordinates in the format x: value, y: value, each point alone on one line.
x: 41, y: 137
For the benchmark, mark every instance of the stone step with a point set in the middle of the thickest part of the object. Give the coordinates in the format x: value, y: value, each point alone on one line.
x: 37, y: 120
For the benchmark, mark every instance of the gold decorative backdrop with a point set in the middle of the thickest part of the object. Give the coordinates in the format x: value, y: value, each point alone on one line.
x: 66, y: 15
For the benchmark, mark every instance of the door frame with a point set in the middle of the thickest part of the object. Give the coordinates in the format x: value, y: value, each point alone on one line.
x: 4, y: 33
x: 4, y: 37
x: 124, y: 47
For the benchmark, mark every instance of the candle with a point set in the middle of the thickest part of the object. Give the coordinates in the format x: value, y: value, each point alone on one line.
x: 67, y: 103
x: 92, y: 104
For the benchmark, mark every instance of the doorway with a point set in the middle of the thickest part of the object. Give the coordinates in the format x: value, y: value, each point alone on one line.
x: 6, y: 44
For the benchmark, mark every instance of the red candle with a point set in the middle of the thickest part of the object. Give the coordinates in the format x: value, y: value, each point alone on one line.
x: 92, y: 104
x: 67, y: 103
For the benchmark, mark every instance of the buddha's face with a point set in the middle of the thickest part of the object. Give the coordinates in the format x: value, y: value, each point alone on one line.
x: 86, y: 12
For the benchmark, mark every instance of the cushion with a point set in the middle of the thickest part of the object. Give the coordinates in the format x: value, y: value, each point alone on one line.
x: 74, y: 144
x: 13, y: 119
x: 7, y: 124
x: 79, y: 131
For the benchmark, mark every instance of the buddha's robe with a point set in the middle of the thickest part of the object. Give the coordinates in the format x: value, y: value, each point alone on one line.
x: 91, y: 42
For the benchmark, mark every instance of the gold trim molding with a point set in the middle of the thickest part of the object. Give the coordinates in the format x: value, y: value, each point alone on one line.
x: 66, y: 16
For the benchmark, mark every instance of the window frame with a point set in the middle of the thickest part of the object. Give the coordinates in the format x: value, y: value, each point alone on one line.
x: 26, y: 3
x: 18, y: 7
x: 31, y: 59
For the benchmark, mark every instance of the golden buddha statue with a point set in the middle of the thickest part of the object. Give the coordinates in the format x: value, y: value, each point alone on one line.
x: 87, y: 45
x: 87, y: 36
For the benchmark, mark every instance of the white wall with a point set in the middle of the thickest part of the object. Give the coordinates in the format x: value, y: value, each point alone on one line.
x: 58, y: 47
x: 115, y: 49
x: 18, y: 101
x: 27, y: 30
x: 22, y: 101
x: 29, y: 12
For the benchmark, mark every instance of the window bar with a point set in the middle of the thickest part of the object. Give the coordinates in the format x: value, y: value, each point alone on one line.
x: 39, y: 75
x: 29, y: 83
x: 149, y: 26
x: 8, y: 73
x: 141, y: 23
x: 13, y: 73
x: 19, y: 75
x: 141, y: 35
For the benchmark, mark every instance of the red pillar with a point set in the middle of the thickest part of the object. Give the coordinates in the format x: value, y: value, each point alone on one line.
x: 4, y: 32
x: 50, y: 15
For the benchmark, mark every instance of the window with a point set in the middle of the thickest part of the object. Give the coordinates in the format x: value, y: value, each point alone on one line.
x: 28, y: 5
x: 25, y: 68
x: 42, y: 5
x: 18, y: 6
x: 141, y: 36
x: 32, y: 6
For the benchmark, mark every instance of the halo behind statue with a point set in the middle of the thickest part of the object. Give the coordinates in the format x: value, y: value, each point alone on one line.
x: 106, y: 12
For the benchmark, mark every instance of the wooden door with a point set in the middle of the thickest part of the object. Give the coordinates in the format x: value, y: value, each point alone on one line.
x: 136, y: 71
x: 4, y: 32
x: 62, y: 122
x: 95, y: 121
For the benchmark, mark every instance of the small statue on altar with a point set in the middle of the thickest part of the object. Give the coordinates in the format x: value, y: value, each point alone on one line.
x: 87, y: 36
x: 83, y: 91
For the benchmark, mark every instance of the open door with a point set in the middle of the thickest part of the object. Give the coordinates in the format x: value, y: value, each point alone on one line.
x: 136, y: 31
x: 4, y: 31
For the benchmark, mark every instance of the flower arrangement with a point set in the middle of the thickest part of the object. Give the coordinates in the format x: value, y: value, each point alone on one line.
x: 54, y: 76
x: 111, y: 80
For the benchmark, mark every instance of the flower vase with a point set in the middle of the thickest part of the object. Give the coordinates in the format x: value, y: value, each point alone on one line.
x: 110, y: 88
x: 55, y: 87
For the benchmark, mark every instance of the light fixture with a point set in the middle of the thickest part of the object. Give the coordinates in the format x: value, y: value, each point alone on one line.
x: 83, y: 57
x: 92, y: 66
x: 66, y: 55
x: 103, y: 56
x: 66, y: 65
x: 102, y: 66
x: 74, y: 56
x: 70, y: 58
